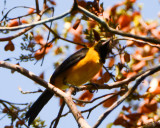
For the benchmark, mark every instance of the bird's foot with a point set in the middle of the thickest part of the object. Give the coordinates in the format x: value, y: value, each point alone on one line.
x: 94, y: 85
x: 76, y: 89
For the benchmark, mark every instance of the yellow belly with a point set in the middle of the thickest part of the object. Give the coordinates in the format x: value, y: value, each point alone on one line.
x: 81, y: 72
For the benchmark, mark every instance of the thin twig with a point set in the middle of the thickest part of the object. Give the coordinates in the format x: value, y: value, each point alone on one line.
x: 87, y: 102
x: 66, y: 96
x: 139, y: 41
x: 12, y: 113
x: 58, y: 116
x: 92, y: 108
x: 112, y: 85
x: 35, y: 23
x: 24, y: 30
x: 117, y: 103
x: 59, y: 37
x: 114, y: 31
x: 12, y: 9
x: 37, y: 6
x: 13, y: 103
x: 29, y: 92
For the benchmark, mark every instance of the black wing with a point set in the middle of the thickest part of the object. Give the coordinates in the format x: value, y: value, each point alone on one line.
x: 70, y: 61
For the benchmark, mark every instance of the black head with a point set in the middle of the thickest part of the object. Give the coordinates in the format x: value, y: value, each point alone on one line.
x: 103, y: 47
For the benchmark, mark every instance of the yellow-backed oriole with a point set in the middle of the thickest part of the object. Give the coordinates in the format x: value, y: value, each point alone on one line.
x: 76, y: 70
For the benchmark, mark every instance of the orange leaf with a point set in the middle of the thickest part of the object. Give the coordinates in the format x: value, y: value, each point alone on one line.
x: 9, y: 126
x: 76, y: 24
x: 122, y: 120
x: 138, y: 66
x: 86, y: 96
x: 110, y: 101
x: 52, y: 2
x: 82, y: 3
x: 24, y: 21
x: 19, y: 123
x: 130, y: 74
x: 105, y: 78
x: 154, y: 86
x: 96, y: 35
x: 154, y: 50
x: 41, y: 75
x: 30, y: 10
x: 39, y: 39
x: 126, y: 57
x: 13, y: 23
x: 76, y: 32
x: 111, y: 62
x: 39, y: 54
x: 127, y: 109
x: 124, y: 21
x: 134, y: 116
x: 148, y: 106
x: 9, y: 46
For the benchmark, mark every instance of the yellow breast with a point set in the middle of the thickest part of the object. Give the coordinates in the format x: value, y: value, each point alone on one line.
x: 81, y: 72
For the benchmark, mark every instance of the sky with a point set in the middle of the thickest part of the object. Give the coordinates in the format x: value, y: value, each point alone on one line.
x: 10, y: 82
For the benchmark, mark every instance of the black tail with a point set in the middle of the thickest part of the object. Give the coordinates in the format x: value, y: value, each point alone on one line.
x: 38, y: 105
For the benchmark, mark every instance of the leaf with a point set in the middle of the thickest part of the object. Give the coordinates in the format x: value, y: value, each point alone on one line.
x: 76, y: 24
x: 138, y: 66
x: 104, y: 78
x: 126, y: 57
x: 39, y: 39
x: 30, y: 10
x: 24, y: 21
x: 148, y: 106
x: 52, y: 2
x: 122, y: 120
x: 86, y: 96
x: 128, y: 109
x: 154, y: 86
x: 134, y: 116
x: 9, y: 46
x: 19, y: 123
x: 39, y: 54
x: 41, y: 75
x: 111, y: 62
x: 13, y: 23
x: 124, y: 21
x: 96, y: 35
x: 110, y: 101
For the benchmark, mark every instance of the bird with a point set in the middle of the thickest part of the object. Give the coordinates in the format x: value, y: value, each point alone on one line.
x: 76, y: 70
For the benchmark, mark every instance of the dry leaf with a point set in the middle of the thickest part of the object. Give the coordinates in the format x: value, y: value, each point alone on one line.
x: 86, y: 96
x: 124, y: 21
x: 110, y: 101
x: 13, y: 23
x: 154, y: 86
x: 111, y: 62
x: 76, y: 24
x: 30, y: 10
x: 148, y: 106
x: 138, y: 66
x: 9, y: 46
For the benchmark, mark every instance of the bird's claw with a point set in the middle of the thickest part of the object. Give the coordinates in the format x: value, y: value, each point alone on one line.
x: 95, y: 87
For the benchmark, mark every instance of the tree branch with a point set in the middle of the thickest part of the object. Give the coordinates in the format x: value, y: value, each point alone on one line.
x: 114, y: 31
x: 66, y: 96
x: 117, y: 103
x: 36, y: 23
x: 38, y: 17
x: 12, y: 113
